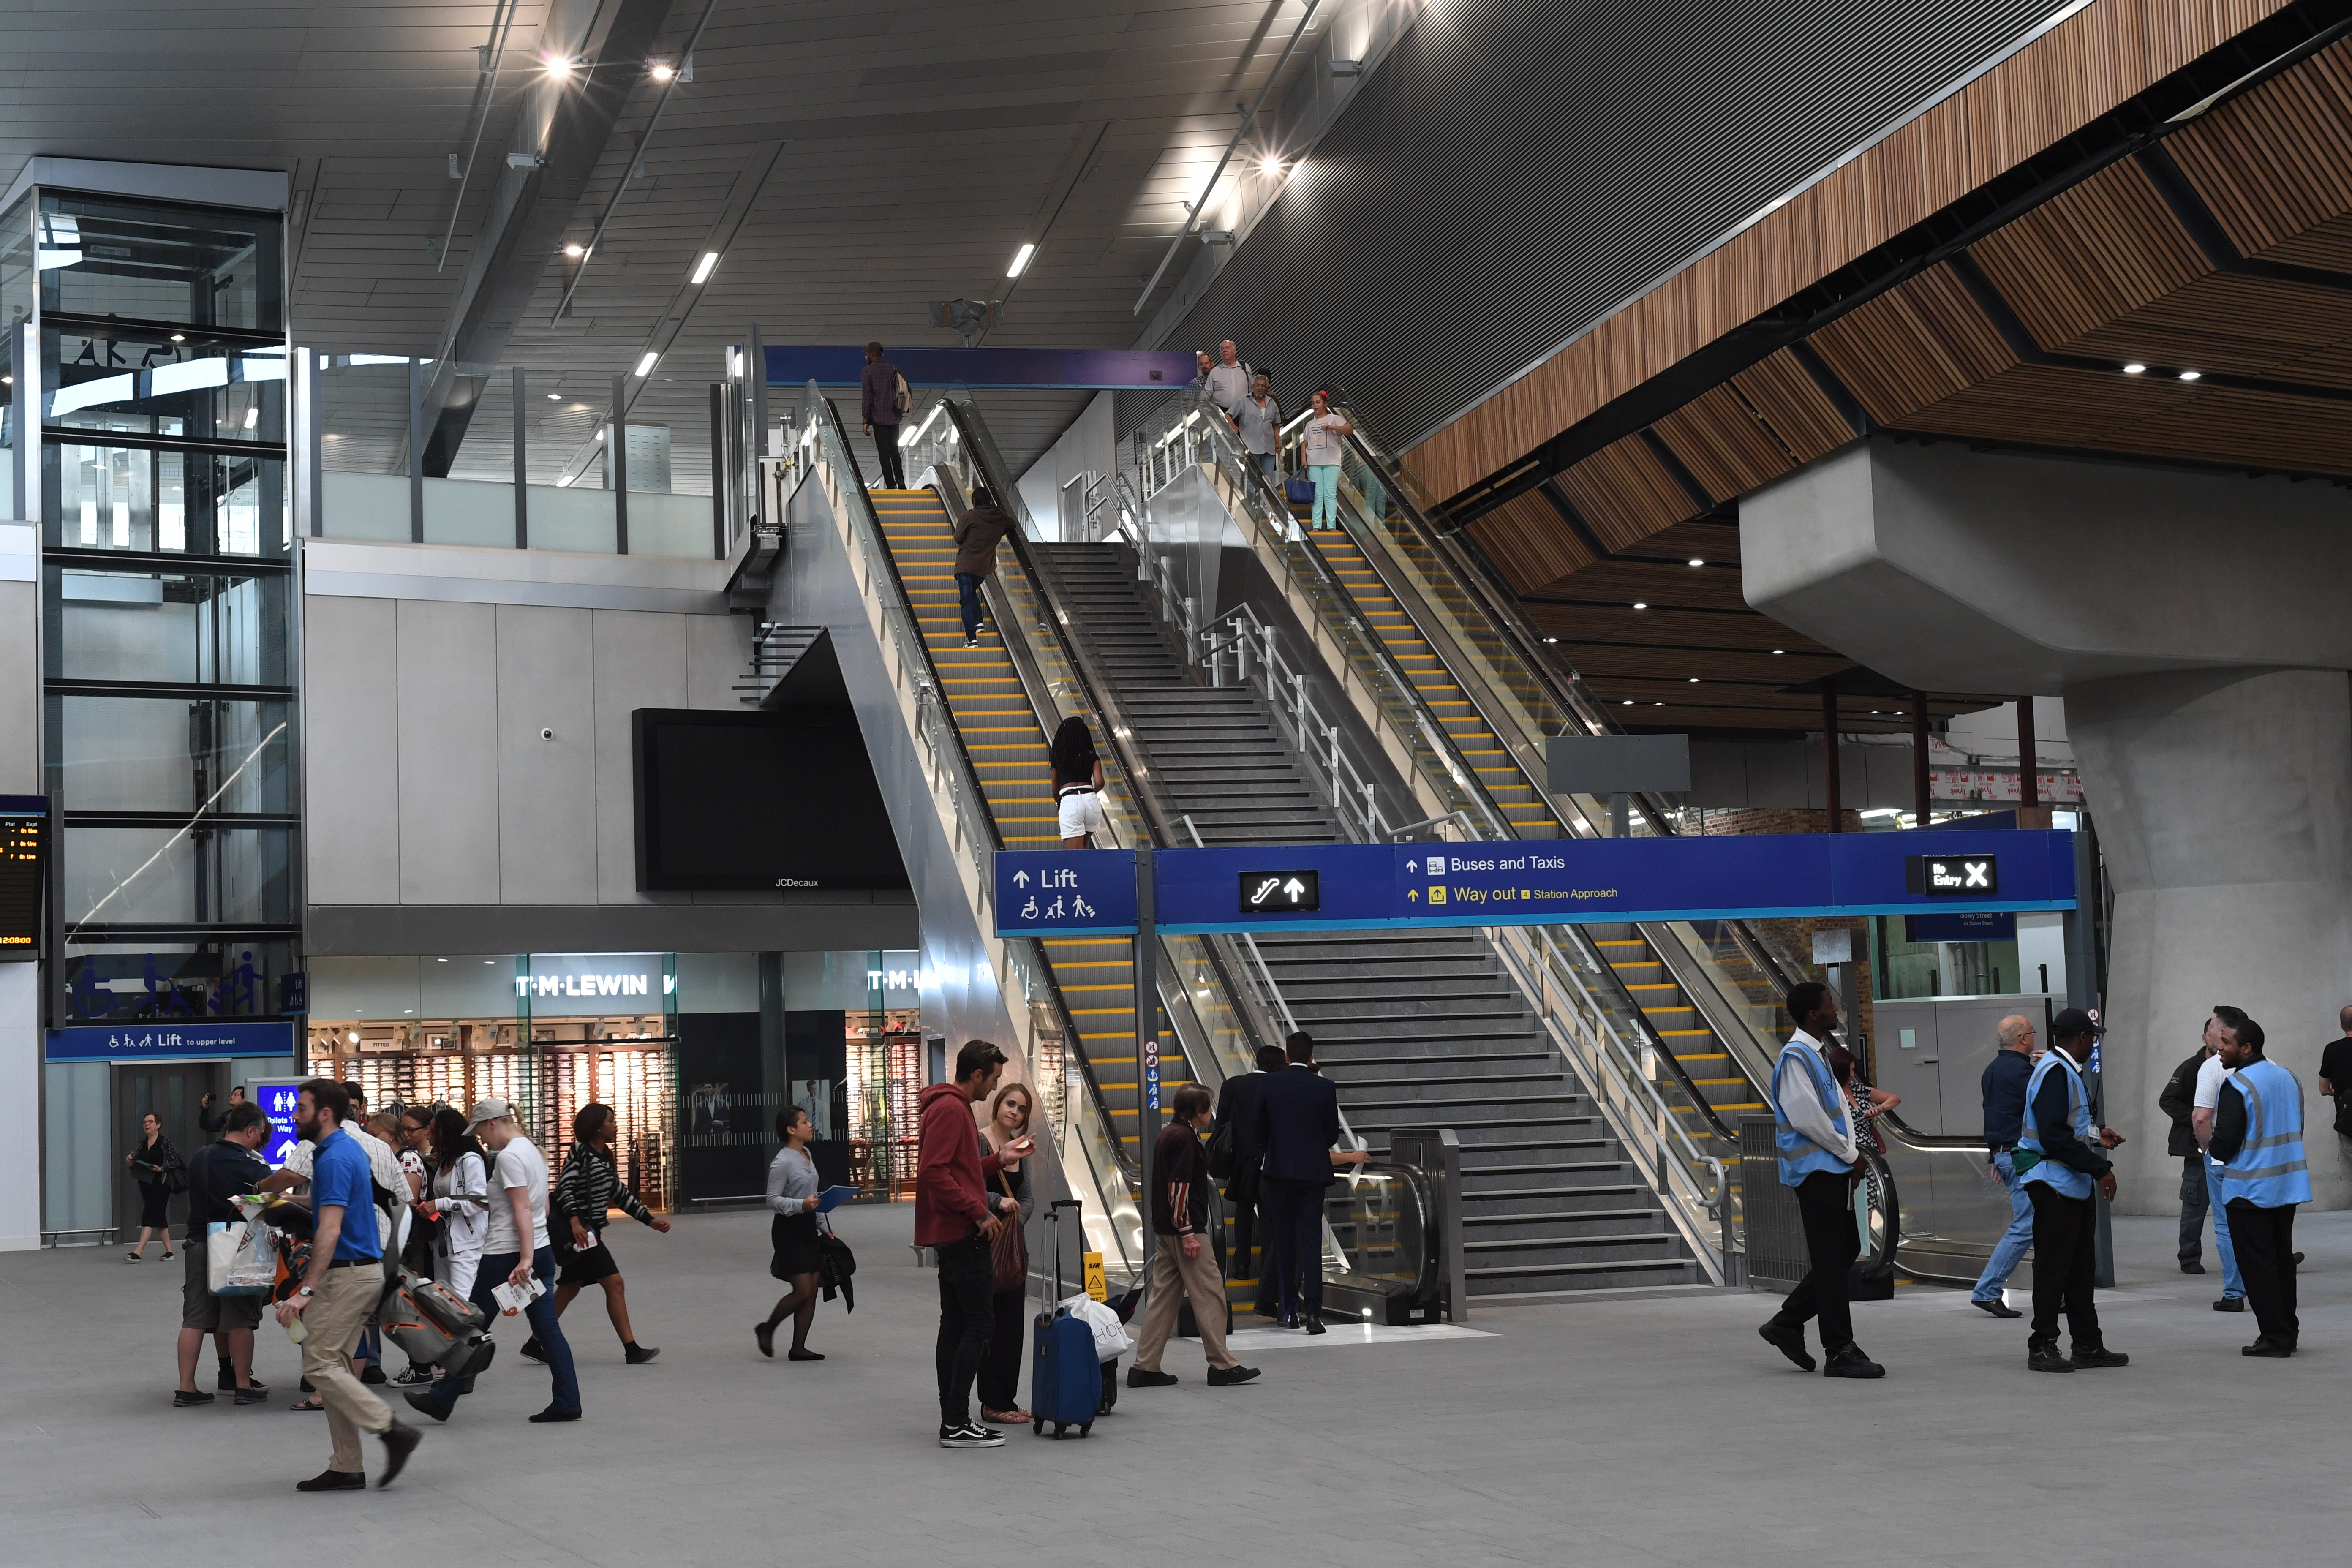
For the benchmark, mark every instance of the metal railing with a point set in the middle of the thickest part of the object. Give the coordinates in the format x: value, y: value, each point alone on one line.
x: 1087, y: 1140
x: 1615, y: 1050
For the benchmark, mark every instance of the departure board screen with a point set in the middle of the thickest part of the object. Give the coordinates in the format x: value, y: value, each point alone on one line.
x: 24, y: 831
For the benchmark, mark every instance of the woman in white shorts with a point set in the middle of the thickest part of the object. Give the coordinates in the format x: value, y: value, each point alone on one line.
x: 1077, y: 787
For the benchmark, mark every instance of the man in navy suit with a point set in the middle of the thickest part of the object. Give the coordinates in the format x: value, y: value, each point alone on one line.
x: 1297, y: 1123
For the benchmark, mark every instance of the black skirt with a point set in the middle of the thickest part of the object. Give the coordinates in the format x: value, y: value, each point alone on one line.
x: 155, y: 1206
x: 578, y: 1266
x: 793, y: 1236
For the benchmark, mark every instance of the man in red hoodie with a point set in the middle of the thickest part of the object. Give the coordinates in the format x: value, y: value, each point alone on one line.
x: 955, y: 1217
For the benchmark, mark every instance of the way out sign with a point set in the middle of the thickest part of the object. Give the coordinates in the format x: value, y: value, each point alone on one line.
x: 1066, y: 892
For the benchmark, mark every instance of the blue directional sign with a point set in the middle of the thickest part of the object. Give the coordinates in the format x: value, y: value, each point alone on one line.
x: 1537, y: 882
x: 191, y: 1039
x: 1065, y: 892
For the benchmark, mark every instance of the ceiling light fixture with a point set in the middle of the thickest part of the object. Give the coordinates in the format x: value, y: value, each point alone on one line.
x: 1641, y: 605
x: 1693, y: 680
x: 575, y: 252
x: 557, y: 66
x: 702, y: 268
x: 1269, y: 165
x: 645, y: 365
x: 1694, y: 561
x: 1551, y: 639
x: 1779, y: 650
x: 252, y: 418
x: 662, y: 70
x: 1020, y: 258
x: 2190, y: 374
x: 1627, y: 703
x: 179, y: 337
x: 555, y: 397
x: 2135, y: 368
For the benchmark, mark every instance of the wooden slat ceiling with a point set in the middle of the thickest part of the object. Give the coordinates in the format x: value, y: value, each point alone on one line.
x: 2225, y: 249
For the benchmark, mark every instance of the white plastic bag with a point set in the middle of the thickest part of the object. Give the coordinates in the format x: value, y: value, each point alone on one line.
x: 1111, y: 1339
x: 241, y: 1258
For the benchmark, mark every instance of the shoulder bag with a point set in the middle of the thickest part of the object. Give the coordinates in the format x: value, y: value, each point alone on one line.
x: 1010, y: 1250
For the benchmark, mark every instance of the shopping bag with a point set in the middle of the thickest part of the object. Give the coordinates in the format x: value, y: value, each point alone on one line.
x: 1111, y: 1338
x: 242, y: 1258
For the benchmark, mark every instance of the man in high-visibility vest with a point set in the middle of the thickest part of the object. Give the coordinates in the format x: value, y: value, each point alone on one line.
x: 2258, y: 1138
x: 1814, y: 1136
x: 2063, y: 1162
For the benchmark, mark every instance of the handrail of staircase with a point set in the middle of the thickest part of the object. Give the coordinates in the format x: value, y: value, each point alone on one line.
x: 977, y: 448
x: 1481, y: 815
x: 822, y: 429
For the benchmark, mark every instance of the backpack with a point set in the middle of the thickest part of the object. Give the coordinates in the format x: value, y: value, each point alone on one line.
x: 902, y: 397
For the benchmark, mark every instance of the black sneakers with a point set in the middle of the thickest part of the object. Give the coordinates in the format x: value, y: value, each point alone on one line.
x: 1851, y: 1362
x: 1150, y: 1377
x: 534, y: 1351
x: 1226, y: 1376
x: 2099, y: 1356
x: 552, y: 1414
x: 184, y: 1397
x: 637, y: 1355
x: 228, y: 1384
x: 2045, y: 1358
x: 971, y: 1435
x: 1789, y: 1339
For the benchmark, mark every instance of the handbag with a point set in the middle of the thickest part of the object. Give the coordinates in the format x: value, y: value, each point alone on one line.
x: 1221, y: 1155
x: 1299, y: 491
x: 1010, y: 1251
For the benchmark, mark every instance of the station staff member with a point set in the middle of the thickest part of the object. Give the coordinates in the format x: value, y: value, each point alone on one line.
x: 2065, y: 1164
x: 1818, y: 1157
x: 2258, y: 1138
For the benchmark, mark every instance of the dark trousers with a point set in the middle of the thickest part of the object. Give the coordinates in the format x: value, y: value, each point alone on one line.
x: 1242, y: 1194
x: 2264, y: 1242
x: 999, y: 1369
x: 968, y: 602
x: 545, y: 1326
x: 967, y: 1318
x: 2065, y: 1256
x: 2192, y: 1208
x: 1293, y: 1214
x: 1825, y: 1200
x: 886, y: 448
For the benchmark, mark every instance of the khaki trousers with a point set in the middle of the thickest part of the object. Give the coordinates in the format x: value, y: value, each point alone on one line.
x: 336, y: 1319
x: 1201, y: 1281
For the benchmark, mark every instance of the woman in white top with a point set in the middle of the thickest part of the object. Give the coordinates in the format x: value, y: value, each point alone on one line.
x: 1321, y: 454
x: 793, y: 1190
x: 461, y: 1196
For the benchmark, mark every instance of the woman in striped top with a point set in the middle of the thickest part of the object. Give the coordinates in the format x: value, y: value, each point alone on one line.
x: 588, y: 1189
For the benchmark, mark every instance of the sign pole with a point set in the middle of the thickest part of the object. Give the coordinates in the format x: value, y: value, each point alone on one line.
x: 1147, y: 1050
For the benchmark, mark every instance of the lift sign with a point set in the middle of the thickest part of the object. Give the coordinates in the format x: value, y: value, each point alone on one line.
x: 1953, y: 877
x: 1280, y: 893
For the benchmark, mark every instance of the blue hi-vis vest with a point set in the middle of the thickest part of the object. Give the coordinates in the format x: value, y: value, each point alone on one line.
x: 2061, y: 1178
x: 1799, y: 1155
x: 2268, y: 1170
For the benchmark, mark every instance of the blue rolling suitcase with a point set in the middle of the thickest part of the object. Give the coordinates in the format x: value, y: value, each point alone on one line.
x: 1064, y: 1378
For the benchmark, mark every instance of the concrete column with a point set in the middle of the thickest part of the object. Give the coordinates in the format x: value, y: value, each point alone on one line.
x: 2225, y: 804
x: 2192, y: 624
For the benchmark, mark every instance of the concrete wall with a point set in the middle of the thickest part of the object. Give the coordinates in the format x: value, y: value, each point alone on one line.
x: 439, y: 818
x: 1089, y: 446
x: 20, y: 774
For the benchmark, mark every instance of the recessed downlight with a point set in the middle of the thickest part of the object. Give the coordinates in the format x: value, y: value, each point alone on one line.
x: 1779, y: 650
x: 1695, y: 561
x: 555, y: 397
x: 2135, y: 368
x: 575, y: 252
x: 1641, y: 605
x: 2190, y: 374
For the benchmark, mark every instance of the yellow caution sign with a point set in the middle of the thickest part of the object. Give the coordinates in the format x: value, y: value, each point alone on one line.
x: 1095, y: 1285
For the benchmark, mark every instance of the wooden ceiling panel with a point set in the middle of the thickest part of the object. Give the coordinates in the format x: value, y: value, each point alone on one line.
x: 2270, y: 165
x: 1619, y: 626
x: 2228, y: 322
x: 1626, y: 495
x: 1530, y: 541
x: 1726, y: 449
x: 1792, y: 405
x: 2095, y: 253
x: 1912, y: 346
x: 1664, y: 583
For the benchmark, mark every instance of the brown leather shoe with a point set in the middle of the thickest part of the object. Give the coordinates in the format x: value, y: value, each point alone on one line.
x: 334, y: 1481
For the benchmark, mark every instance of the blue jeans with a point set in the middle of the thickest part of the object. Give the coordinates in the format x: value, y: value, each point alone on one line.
x: 968, y: 603
x: 1327, y: 496
x: 545, y: 1327
x: 2234, y: 1285
x: 1266, y: 461
x: 2014, y: 1240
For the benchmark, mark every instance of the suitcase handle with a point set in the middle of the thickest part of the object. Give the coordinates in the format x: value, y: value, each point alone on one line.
x: 1054, y: 1218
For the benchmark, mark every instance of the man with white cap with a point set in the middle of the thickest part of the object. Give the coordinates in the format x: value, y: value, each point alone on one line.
x: 514, y: 1252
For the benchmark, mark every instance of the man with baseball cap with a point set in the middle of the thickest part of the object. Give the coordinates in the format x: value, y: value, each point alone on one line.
x: 514, y: 1252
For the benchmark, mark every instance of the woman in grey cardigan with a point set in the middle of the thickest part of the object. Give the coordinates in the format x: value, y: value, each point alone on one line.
x: 792, y: 1191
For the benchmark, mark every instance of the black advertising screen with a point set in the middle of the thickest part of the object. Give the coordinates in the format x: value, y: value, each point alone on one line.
x: 758, y: 800
x: 24, y: 833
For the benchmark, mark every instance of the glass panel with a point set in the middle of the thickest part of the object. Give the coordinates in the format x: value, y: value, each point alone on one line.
x: 135, y: 498
x: 187, y: 876
x: 169, y: 626
x: 17, y: 263
x: 169, y: 753
x: 220, y: 977
x: 1376, y: 1217
x: 155, y: 261
x: 165, y: 384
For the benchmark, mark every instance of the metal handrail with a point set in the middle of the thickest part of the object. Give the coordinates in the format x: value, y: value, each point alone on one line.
x: 949, y: 763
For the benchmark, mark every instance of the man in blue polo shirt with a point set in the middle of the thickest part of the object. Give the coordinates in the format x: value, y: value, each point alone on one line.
x: 339, y: 1291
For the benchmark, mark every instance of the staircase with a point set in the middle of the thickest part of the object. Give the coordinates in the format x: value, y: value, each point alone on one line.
x: 1001, y: 733
x: 1420, y: 1030
x: 775, y: 648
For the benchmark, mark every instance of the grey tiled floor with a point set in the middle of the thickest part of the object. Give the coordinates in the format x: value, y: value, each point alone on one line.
x: 1627, y: 1430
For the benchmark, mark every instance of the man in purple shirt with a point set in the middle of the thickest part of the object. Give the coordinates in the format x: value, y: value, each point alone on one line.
x: 878, y: 406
